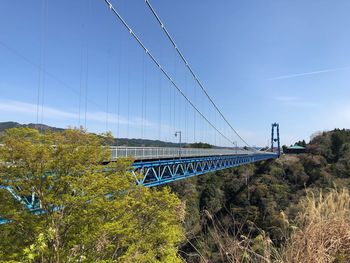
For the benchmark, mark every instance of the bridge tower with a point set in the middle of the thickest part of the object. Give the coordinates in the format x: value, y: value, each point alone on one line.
x: 277, y: 139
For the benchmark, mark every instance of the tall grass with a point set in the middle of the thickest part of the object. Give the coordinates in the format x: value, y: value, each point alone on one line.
x: 323, y: 233
x: 236, y: 247
x: 320, y: 233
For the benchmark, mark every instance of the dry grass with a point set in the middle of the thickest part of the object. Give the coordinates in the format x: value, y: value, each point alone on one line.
x: 321, y: 234
x: 239, y: 248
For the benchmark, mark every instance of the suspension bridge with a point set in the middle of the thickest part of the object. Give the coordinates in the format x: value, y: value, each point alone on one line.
x: 192, y: 114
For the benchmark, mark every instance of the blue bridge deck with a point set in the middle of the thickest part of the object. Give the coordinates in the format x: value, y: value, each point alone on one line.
x: 158, y: 172
x: 156, y: 166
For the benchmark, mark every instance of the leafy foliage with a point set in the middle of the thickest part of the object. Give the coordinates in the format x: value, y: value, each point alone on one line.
x: 92, y: 212
x: 301, y: 143
x: 199, y: 145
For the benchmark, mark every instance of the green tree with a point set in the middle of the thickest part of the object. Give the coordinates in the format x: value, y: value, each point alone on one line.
x: 342, y: 166
x: 337, y: 142
x: 284, y: 148
x: 301, y: 143
x: 93, y: 212
x: 198, y: 145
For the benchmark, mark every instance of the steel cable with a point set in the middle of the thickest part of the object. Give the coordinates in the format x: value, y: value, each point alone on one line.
x: 191, y: 70
x: 155, y: 61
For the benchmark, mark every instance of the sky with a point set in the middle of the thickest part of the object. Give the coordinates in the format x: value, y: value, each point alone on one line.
x: 70, y: 63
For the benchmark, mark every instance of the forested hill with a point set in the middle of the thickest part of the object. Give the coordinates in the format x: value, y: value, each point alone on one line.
x: 256, y: 208
x: 12, y: 124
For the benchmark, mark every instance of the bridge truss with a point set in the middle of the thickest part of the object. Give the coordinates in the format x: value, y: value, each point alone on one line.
x: 153, y: 173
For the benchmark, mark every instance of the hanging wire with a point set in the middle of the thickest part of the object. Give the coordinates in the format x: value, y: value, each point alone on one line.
x: 215, y: 121
x: 46, y: 19
x: 143, y: 94
x: 40, y: 62
x: 48, y: 73
x: 201, y: 124
x: 174, y: 98
x: 114, y: 93
x: 194, y: 116
x: 191, y: 70
x: 128, y: 98
x: 161, y: 96
x: 86, y: 88
x: 155, y: 61
x: 107, y: 88
x: 185, y: 117
x: 81, y: 79
x: 119, y: 87
x: 38, y: 97
x: 170, y: 112
x: 87, y: 68
x: 172, y: 117
x: 159, y: 105
x: 146, y: 87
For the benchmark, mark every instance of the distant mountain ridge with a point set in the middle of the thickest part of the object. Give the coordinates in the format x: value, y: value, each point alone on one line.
x: 12, y: 124
x: 117, y: 141
x: 134, y: 142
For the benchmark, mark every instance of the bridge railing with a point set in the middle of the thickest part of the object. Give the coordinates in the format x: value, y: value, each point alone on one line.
x: 142, y: 153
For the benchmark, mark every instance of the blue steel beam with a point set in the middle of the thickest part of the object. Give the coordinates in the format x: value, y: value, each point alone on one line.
x: 159, y: 172
x: 29, y: 202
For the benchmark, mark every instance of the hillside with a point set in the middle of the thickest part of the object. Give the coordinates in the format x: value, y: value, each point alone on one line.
x: 259, y: 202
x: 11, y: 124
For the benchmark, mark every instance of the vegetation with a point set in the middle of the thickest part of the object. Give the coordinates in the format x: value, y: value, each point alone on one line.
x: 301, y: 143
x: 92, y: 212
x: 199, y: 145
x: 323, y: 229
x: 294, y: 209
x: 252, y: 213
x: 319, y: 233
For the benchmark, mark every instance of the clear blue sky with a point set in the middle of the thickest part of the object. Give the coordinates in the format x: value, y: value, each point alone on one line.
x: 261, y: 61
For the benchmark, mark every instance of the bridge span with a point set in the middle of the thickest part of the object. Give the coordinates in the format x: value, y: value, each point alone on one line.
x: 157, y: 165
x: 153, y: 153
x: 154, y: 166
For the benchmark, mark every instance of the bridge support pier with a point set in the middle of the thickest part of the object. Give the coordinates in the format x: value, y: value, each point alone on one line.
x: 277, y: 139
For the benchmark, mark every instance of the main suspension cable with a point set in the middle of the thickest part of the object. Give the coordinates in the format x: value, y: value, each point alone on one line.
x: 191, y: 70
x: 111, y: 7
